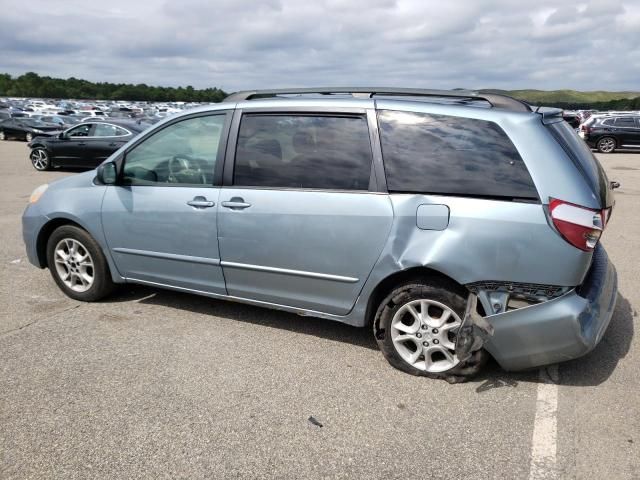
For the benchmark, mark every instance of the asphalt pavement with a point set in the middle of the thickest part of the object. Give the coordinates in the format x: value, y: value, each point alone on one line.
x: 158, y: 384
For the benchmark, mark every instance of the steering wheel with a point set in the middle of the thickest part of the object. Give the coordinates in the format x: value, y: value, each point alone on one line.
x: 185, y: 169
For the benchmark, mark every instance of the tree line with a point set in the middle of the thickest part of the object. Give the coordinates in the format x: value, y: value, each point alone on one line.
x: 619, y: 104
x: 33, y: 85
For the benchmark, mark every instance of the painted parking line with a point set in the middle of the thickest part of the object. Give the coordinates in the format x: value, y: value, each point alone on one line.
x: 544, y: 442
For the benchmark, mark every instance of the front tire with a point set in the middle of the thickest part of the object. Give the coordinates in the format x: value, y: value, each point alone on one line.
x: 416, y: 327
x: 40, y: 159
x: 606, y: 145
x: 77, y: 264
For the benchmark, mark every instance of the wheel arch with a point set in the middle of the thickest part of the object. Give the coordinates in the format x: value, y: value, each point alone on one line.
x: 46, y: 231
x: 40, y: 145
x: 387, y: 284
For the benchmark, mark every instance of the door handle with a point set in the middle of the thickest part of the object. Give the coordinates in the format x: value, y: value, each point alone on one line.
x: 236, y: 203
x: 200, y: 202
x: 81, y: 144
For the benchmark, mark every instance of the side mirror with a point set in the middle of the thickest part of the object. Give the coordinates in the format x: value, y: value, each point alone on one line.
x: 62, y: 136
x: 107, y: 173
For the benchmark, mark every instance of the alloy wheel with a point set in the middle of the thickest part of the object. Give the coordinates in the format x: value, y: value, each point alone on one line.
x: 423, y: 333
x: 606, y: 145
x: 39, y: 159
x: 74, y: 265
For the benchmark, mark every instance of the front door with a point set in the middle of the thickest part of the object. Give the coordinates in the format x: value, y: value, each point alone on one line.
x: 160, y: 219
x: 299, y: 226
x: 69, y: 150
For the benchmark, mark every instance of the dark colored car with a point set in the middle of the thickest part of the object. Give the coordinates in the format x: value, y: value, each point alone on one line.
x: 84, y: 145
x: 608, y: 134
x: 572, y: 118
x: 26, y: 129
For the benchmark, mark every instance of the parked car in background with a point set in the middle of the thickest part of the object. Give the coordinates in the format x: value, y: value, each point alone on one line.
x: 84, y: 145
x: 572, y: 118
x: 93, y: 113
x: 608, y: 133
x: 450, y: 223
x: 62, y: 120
x: 25, y: 128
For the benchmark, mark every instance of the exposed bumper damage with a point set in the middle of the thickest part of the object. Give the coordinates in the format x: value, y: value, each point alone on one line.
x: 564, y: 327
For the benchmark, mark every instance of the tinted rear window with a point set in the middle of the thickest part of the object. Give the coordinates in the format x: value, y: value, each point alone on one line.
x: 442, y: 154
x: 583, y: 158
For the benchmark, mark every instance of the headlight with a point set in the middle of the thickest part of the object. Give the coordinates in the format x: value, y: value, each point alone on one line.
x: 37, y: 193
x: 35, y: 130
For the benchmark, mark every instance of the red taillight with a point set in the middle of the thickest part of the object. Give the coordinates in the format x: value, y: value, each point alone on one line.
x: 580, y: 226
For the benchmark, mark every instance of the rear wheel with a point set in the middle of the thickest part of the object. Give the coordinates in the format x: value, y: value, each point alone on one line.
x: 606, y: 145
x: 416, y: 327
x: 40, y: 159
x: 77, y: 264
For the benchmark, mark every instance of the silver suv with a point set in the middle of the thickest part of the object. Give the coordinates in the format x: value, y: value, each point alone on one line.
x: 453, y: 223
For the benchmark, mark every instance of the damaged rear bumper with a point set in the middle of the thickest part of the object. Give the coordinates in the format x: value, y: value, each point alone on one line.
x: 561, y: 329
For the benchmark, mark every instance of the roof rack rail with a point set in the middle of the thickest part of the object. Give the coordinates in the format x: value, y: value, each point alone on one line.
x: 495, y: 100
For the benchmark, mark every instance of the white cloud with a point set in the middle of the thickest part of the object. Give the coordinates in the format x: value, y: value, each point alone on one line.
x: 255, y: 44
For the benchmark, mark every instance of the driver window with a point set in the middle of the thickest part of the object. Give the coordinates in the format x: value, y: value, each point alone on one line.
x: 80, y: 131
x: 182, y: 153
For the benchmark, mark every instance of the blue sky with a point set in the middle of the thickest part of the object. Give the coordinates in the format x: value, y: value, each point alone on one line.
x: 590, y: 45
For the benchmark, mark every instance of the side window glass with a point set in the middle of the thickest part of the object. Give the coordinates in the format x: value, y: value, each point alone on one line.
x: 80, y: 131
x: 625, y: 122
x: 608, y: 121
x: 303, y: 151
x: 121, y: 132
x: 104, y: 130
x: 449, y: 155
x: 182, y: 153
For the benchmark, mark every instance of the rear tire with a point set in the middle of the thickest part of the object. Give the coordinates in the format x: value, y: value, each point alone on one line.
x: 606, y: 145
x: 415, y: 328
x: 77, y: 264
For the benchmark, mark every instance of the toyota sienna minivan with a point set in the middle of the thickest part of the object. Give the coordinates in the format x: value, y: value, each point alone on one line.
x: 454, y: 224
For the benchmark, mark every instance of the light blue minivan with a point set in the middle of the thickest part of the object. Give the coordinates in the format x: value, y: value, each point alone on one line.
x: 453, y: 223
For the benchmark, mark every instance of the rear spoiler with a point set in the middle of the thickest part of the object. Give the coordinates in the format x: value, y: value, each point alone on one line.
x: 549, y: 114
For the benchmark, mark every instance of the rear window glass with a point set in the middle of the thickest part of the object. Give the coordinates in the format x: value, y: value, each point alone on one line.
x: 583, y: 158
x: 443, y: 154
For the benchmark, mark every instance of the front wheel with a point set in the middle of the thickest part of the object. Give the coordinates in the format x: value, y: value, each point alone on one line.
x: 416, y: 327
x: 606, y: 145
x: 40, y: 159
x: 77, y: 264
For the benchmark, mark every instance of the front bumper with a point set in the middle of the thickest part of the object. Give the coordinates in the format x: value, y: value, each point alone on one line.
x: 561, y: 329
x: 32, y: 222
